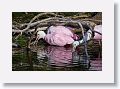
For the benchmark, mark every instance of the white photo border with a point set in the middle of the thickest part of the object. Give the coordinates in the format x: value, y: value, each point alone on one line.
x: 104, y: 76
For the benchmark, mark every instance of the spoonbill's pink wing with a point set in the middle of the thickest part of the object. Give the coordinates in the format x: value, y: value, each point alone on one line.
x: 58, y: 39
x: 60, y: 30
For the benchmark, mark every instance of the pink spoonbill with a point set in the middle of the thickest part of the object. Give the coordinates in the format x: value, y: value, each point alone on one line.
x: 58, y: 35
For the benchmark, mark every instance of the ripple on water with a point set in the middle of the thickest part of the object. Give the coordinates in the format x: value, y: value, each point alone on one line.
x: 53, y: 58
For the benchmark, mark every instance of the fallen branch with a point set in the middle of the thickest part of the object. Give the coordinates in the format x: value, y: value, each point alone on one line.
x: 41, y: 14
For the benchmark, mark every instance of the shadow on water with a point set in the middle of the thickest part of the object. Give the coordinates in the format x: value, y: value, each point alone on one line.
x: 53, y: 58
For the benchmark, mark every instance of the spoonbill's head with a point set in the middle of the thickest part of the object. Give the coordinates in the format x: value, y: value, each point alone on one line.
x: 40, y: 34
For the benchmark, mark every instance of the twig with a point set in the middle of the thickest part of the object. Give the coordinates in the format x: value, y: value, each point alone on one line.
x: 17, y: 36
x: 85, y: 43
x: 91, y: 20
x: 28, y: 26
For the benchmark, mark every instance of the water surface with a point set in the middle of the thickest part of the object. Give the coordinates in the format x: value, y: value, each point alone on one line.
x: 53, y: 58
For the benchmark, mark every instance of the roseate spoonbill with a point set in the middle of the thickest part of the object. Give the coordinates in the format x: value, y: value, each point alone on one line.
x: 99, y: 29
x: 88, y: 36
x: 57, y: 35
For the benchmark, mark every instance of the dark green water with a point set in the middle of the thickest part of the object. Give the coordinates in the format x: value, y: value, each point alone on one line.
x: 53, y: 58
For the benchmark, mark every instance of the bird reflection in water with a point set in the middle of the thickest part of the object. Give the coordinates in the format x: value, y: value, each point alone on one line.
x: 62, y: 57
